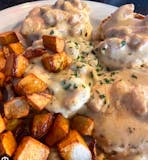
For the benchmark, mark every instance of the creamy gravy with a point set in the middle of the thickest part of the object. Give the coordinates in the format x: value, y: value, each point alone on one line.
x: 125, y: 39
x: 116, y: 100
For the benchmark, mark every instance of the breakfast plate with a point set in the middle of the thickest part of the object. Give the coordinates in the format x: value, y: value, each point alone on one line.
x: 11, y: 17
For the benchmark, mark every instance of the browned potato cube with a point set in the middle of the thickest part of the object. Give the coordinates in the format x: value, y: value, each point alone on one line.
x: 30, y: 84
x: 16, y: 108
x: 8, y: 37
x: 83, y: 125
x: 7, y: 143
x: 39, y: 100
x: 2, y: 124
x: 31, y: 149
x: 41, y: 124
x: 53, y: 43
x: 58, y: 131
x: 1, y: 53
x: 56, y: 62
x: 6, y: 51
x: 32, y: 53
x: 20, y: 66
x: 2, y: 63
x: 9, y: 66
x: 2, y: 79
x: 16, y: 48
x: 12, y: 124
x: 73, y: 147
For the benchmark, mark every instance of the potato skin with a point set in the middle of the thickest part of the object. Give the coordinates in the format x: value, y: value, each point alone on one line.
x: 8, y: 37
x: 32, y: 53
x: 31, y: 149
x: 39, y: 100
x: 30, y: 84
x: 16, y: 108
x: 53, y: 43
x: 56, y: 62
x: 41, y: 124
x: 58, y: 131
x: 83, y: 125
x: 7, y: 143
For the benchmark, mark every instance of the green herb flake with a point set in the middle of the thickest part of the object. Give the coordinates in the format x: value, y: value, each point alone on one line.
x: 102, y: 96
x: 91, y: 75
x: 51, y: 32
x: 83, y: 86
x: 123, y: 43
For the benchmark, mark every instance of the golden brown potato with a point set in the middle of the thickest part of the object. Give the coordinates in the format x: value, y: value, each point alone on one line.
x: 41, y: 124
x: 2, y: 64
x: 30, y: 84
x: 16, y: 48
x: 6, y: 51
x: 73, y: 147
x: 39, y: 100
x: 1, y: 53
x: 31, y: 149
x: 8, y: 37
x: 16, y: 108
x: 20, y: 66
x: 7, y: 143
x: 82, y: 124
x: 9, y: 66
x: 2, y: 79
x: 32, y: 53
x: 56, y: 62
x: 2, y: 124
x: 53, y: 43
x: 13, y: 123
x: 58, y: 131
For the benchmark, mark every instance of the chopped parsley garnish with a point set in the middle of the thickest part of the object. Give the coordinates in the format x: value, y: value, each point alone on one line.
x: 108, y: 81
x: 134, y: 76
x: 83, y: 86
x: 123, y: 43
x: 102, y: 96
x: 91, y: 75
x: 51, y: 32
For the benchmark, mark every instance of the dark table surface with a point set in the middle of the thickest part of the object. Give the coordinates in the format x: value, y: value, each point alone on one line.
x: 140, y: 5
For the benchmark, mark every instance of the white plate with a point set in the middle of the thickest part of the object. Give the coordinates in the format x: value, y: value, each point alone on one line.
x: 11, y: 17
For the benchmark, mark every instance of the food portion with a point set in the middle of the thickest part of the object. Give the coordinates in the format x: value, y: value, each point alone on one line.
x: 125, y: 39
x: 64, y: 18
x: 59, y: 95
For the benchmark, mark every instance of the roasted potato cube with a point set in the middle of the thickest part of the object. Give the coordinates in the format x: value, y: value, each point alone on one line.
x: 8, y: 37
x: 41, y: 124
x: 7, y: 143
x: 2, y: 79
x: 13, y: 123
x: 1, y: 53
x: 16, y: 108
x: 54, y: 155
x: 58, y: 131
x: 2, y: 63
x: 53, y: 43
x: 30, y: 84
x: 56, y: 62
x: 2, y: 124
x: 101, y: 157
x: 32, y: 53
x: 83, y: 124
x: 73, y: 147
x: 16, y: 48
x: 6, y: 51
x: 9, y: 66
x: 39, y: 100
x: 31, y: 149
x: 20, y: 66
